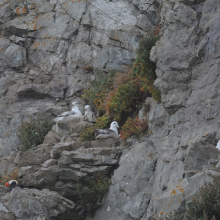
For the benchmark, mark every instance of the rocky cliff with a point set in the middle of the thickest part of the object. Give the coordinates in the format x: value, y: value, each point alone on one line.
x: 161, y: 174
x: 49, y: 51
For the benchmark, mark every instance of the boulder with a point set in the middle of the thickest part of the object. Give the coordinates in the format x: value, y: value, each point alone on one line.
x: 3, y: 190
x: 58, y: 148
x: 34, y: 204
x: 50, y: 162
x: 36, y: 157
x: 70, y: 125
x: 52, y: 138
x: 204, y: 153
x: 27, y: 170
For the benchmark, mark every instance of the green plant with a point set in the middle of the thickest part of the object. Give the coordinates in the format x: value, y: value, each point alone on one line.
x: 124, y: 98
x: 88, y: 133
x: 133, y: 127
x: 32, y: 133
x: 96, y: 93
x: 92, y: 190
x: 120, y: 95
x: 143, y: 67
x: 205, y: 205
x: 176, y: 216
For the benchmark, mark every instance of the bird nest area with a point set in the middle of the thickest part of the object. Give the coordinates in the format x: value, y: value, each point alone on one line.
x: 121, y: 95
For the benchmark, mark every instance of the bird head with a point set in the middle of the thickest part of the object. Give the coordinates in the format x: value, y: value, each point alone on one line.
x: 10, y: 182
x: 74, y: 104
x: 114, y: 124
x: 87, y: 108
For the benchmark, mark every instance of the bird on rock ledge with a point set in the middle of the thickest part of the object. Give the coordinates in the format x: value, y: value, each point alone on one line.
x: 75, y: 112
x: 89, y: 115
x: 14, y: 183
x: 108, y: 133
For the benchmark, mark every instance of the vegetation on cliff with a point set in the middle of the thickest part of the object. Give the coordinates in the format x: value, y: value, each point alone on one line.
x: 88, y: 133
x: 92, y: 190
x: 120, y: 95
x: 205, y: 205
x: 31, y: 133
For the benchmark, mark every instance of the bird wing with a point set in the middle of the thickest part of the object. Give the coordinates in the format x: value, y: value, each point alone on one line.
x: 65, y: 114
x: 103, y: 131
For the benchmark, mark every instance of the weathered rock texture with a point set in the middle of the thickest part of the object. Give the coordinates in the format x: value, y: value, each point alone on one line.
x: 162, y: 173
x: 34, y: 204
x: 58, y: 168
x: 49, y: 50
x: 66, y: 130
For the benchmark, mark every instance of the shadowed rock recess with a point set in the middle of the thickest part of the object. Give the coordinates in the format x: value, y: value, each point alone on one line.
x: 49, y: 51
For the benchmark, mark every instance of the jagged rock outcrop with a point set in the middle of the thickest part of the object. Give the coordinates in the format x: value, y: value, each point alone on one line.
x: 47, y: 57
x: 66, y: 130
x: 59, y: 168
x: 49, y: 51
x: 35, y: 204
x: 184, y: 127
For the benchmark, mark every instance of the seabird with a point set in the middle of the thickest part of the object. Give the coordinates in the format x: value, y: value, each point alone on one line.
x: 75, y: 112
x: 107, y: 133
x: 14, y: 183
x: 89, y: 115
x: 218, y: 145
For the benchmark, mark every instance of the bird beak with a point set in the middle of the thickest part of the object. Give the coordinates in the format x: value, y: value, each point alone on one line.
x: 117, y: 126
x: 7, y: 184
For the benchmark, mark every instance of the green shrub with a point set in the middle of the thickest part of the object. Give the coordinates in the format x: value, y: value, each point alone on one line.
x: 124, y: 98
x: 92, y: 190
x: 205, y: 205
x: 144, y: 68
x: 103, y: 122
x: 88, y: 133
x: 32, y: 133
x: 133, y: 127
x: 120, y: 95
x: 176, y: 216
x: 96, y: 93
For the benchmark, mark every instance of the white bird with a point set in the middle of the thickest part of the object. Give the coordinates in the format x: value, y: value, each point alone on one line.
x: 75, y: 112
x: 218, y: 145
x: 107, y: 133
x: 89, y: 115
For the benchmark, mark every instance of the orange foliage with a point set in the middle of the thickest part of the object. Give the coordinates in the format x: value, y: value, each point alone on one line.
x: 157, y: 30
x: 133, y: 127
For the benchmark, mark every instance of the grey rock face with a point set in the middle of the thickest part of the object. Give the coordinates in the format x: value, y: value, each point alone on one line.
x: 131, y: 187
x: 58, y: 168
x: 49, y: 50
x: 34, y: 204
x: 66, y: 130
x: 184, y: 127
x: 178, y: 153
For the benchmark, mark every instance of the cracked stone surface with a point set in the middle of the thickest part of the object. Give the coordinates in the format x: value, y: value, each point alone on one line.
x: 183, y: 128
x: 56, y: 168
x: 49, y: 49
x: 43, y: 67
x: 34, y: 204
